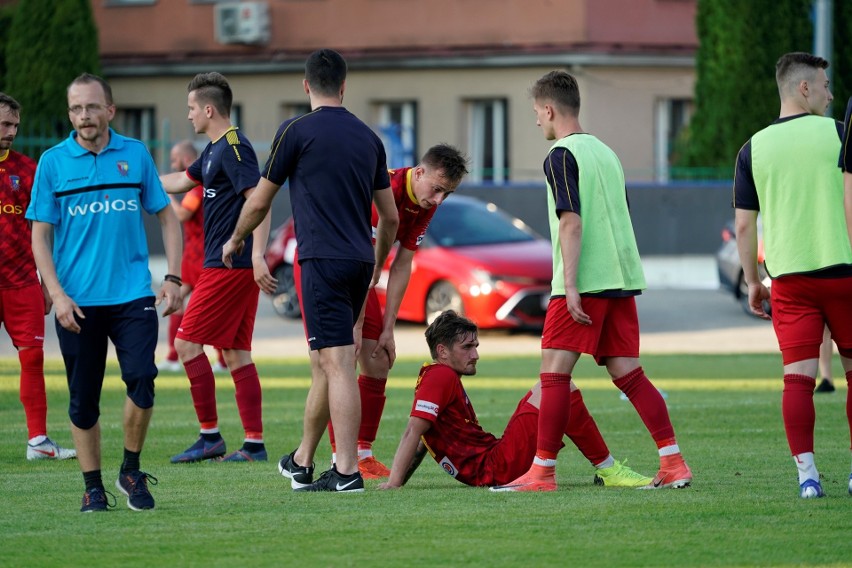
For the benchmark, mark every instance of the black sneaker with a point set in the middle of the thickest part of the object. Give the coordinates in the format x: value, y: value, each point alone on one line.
x: 299, y: 476
x: 134, y: 484
x: 95, y: 500
x: 825, y: 386
x: 332, y: 481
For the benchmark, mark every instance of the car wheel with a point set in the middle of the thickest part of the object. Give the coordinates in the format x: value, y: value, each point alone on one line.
x: 285, y: 302
x: 442, y: 296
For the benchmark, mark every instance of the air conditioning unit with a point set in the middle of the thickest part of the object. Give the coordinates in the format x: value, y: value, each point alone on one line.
x: 242, y: 22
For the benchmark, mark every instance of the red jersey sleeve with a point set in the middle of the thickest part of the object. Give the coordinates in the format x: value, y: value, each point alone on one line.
x: 193, y: 198
x: 434, y: 390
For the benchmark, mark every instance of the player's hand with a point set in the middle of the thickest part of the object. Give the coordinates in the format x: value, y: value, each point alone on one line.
x: 386, y: 345
x: 388, y: 485
x: 265, y: 280
x: 377, y: 275
x: 757, y: 294
x: 231, y: 248
x: 171, y: 293
x: 575, y: 307
x: 66, y: 313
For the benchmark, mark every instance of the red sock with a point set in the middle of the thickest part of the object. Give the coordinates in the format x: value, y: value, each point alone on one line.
x: 849, y: 403
x: 554, y: 413
x: 583, y: 431
x: 32, y: 391
x: 797, y: 408
x: 372, y: 405
x: 202, y: 387
x: 331, y: 437
x: 249, y: 400
x: 174, y: 324
x: 648, y: 402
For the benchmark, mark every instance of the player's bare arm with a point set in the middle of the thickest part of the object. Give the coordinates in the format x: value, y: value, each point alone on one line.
x: 570, y: 239
x: 745, y: 225
x: 255, y: 209
x: 400, y: 274
x: 405, y: 462
x: 173, y: 244
x: 177, y: 182
x: 66, y: 308
x: 265, y: 281
x: 386, y: 229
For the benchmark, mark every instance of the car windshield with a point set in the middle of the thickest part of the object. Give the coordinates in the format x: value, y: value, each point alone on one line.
x: 467, y: 222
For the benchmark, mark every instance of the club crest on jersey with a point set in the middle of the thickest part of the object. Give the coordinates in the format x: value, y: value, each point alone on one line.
x: 15, y: 182
x: 123, y: 167
x: 448, y: 466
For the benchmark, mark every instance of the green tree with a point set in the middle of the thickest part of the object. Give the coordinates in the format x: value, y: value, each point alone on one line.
x: 735, y: 90
x: 6, y: 15
x: 841, y: 61
x: 49, y: 44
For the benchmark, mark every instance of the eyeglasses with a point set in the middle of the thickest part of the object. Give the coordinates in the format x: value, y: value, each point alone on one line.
x: 91, y: 108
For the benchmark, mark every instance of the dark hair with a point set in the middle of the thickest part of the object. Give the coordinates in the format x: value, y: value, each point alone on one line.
x: 6, y: 100
x: 86, y: 78
x: 447, y: 158
x: 561, y: 88
x: 325, y: 71
x: 793, y: 68
x: 212, y: 88
x: 447, y: 329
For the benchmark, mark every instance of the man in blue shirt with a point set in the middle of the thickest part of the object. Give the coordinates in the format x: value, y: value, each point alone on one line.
x: 90, y: 248
x: 337, y: 168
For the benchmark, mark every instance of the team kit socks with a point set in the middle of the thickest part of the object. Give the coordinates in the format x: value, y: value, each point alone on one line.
x: 797, y: 408
x: 32, y: 393
x: 202, y: 387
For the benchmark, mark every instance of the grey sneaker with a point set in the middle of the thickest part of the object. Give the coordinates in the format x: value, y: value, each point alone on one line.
x: 50, y: 450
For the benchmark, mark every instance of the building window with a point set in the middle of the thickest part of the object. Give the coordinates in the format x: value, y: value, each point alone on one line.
x: 488, y: 140
x: 290, y: 110
x: 672, y: 115
x: 396, y: 123
x: 137, y: 123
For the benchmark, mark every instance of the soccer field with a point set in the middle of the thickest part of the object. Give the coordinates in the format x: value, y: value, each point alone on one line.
x: 742, y: 510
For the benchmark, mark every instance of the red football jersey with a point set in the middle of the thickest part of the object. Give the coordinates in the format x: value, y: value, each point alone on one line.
x: 17, y: 266
x: 456, y: 440
x: 413, y: 219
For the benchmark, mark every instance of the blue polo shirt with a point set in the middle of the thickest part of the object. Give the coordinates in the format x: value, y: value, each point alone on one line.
x: 226, y: 168
x: 334, y: 163
x: 95, y: 203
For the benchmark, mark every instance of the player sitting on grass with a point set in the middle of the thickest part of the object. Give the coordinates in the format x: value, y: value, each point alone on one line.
x: 444, y: 423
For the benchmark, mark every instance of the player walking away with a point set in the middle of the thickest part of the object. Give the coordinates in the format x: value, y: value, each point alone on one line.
x: 223, y: 306
x: 444, y: 423
x: 336, y: 166
x: 788, y: 172
x: 190, y: 214
x: 90, y: 247
x: 596, y: 276
x: 417, y: 192
x: 23, y: 300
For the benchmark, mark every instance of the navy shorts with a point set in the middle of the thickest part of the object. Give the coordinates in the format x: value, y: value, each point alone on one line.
x: 132, y: 327
x: 333, y: 292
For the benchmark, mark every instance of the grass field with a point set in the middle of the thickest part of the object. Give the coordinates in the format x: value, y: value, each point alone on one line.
x: 742, y: 510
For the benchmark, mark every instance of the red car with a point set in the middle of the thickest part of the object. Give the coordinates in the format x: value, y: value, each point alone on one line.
x: 475, y: 259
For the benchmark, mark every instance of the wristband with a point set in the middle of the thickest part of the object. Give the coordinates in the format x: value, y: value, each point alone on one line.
x: 174, y: 279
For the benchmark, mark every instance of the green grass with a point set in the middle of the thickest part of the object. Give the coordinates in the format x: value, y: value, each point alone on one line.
x: 743, y: 509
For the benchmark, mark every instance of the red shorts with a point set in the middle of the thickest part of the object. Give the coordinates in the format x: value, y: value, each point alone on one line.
x: 513, y: 454
x: 373, y: 317
x: 802, y: 306
x: 22, y: 312
x: 222, y: 309
x: 190, y: 271
x: 614, y: 331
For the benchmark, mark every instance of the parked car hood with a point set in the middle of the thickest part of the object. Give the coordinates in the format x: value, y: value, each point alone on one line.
x: 533, y: 259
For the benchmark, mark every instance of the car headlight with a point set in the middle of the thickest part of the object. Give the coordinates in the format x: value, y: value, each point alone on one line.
x: 484, y: 282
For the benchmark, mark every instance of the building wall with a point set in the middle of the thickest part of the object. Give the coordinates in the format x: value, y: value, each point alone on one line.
x: 618, y: 106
